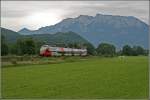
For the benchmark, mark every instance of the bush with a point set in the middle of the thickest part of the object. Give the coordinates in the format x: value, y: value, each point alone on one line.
x: 14, y: 61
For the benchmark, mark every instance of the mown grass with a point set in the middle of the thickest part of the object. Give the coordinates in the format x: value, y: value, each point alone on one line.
x: 91, y: 78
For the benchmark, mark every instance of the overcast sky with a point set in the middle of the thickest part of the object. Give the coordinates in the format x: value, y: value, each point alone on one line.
x: 16, y: 15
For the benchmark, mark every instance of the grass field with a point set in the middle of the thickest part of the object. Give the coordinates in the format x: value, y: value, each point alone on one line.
x: 88, y: 78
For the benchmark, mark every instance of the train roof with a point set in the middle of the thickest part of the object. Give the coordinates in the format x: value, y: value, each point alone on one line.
x: 59, y: 47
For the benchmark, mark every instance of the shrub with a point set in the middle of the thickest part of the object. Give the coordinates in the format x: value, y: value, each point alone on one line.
x: 14, y: 61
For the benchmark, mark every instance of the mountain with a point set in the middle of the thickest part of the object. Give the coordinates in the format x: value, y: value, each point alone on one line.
x: 25, y: 31
x: 119, y: 30
x: 58, y: 38
x: 10, y: 36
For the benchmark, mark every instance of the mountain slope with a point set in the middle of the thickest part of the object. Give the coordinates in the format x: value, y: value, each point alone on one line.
x: 119, y: 30
x: 58, y: 38
x: 10, y: 36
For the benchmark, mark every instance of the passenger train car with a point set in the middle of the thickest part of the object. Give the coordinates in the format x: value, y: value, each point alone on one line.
x: 47, y: 50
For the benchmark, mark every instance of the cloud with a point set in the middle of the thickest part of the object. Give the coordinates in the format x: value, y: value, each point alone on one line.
x: 18, y: 11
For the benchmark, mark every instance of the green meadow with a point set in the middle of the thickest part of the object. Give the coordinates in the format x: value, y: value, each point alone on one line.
x: 79, y: 78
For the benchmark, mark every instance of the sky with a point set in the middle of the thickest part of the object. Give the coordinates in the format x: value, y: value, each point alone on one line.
x: 16, y: 15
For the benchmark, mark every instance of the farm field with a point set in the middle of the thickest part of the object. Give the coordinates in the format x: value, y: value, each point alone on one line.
x: 87, y: 78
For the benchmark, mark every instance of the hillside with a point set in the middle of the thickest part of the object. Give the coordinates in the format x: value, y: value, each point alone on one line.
x: 58, y: 38
x: 119, y: 30
x: 10, y: 36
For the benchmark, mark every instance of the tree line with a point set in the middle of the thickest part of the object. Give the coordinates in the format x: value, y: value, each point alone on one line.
x: 105, y: 49
x: 23, y: 46
x: 28, y: 46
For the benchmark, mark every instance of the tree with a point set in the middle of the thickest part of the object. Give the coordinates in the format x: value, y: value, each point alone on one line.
x: 137, y: 50
x: 20, y: 45
x: 90, y: 49
x: 119, y: 53
x: 74, y: 45
x: 26, y: 46
x: 106, y: 49
x: 30, y: 46
x: 140, y: 50
x: 70, y: 45
x: 127, y: 50
x: 4, y: 46
x: 38, y: 45
x: 146, y: 52
x: 13, y: 49
x: 133, y: 51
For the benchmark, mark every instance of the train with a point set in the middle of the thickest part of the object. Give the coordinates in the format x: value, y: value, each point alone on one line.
x: 48, y: 51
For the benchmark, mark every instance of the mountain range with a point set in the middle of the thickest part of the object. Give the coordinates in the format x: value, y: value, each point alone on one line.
x: 118, y: 30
